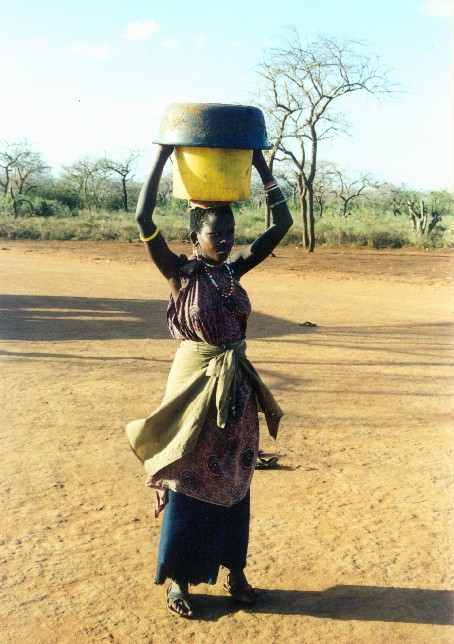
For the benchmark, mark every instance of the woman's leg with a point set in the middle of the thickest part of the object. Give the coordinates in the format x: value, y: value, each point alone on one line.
x: 177, y: 597
x: 236, y: 538
x: 191, y: 541
x: 196, y: 538
x: 235, y: 552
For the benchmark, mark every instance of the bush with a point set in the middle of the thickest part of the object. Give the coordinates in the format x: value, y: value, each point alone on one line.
x: 368, y: 227
x: 51, y: 207
x: 385, y: 239
x: 172, y: 208
x: 61, y: 194
x: 6, y: 206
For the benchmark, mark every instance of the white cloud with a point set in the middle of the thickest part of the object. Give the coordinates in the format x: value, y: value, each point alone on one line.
x: 169, y: 43
x: 140, y: 29
x: 438, y: 8
x: 99, y: 52
x: 200, y: 40
x: 39, y: 41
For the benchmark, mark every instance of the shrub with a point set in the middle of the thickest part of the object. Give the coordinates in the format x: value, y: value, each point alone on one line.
x: 368, y: 227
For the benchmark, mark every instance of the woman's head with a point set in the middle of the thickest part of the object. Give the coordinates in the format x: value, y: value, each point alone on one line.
x: 213, y: 229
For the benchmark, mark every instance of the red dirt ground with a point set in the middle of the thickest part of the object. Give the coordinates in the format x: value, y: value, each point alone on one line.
x: 350, y: 537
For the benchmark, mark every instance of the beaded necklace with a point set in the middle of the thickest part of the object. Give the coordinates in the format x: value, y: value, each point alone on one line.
x: 227, y: 299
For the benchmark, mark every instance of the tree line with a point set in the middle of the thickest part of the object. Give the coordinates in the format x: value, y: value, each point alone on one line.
x: 108, y: 184
x: 301, y: 87
x: 30, y: 188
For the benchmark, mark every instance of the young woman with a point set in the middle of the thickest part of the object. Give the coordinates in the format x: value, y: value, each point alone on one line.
x: 200, y: 446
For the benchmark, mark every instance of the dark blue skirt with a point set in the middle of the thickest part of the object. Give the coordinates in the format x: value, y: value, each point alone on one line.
x: 197, y: 537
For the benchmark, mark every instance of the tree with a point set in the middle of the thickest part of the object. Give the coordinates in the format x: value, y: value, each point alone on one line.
x: 124, y: 170
x: 85, y: 177
x: 423, y: 221
x: 257, y: 196
x: 346, y: 189
x: 286, y: 174
x: 425, y: 210
x: 300, y: 83
x: 323, y: 185
x: 396, y: 197
x: 165, y: 189
x: 23, y: 171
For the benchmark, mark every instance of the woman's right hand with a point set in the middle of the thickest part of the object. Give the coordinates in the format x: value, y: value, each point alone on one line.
x: 165, y: 151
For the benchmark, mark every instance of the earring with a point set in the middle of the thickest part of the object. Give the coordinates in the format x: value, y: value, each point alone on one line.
x: 195, y: 251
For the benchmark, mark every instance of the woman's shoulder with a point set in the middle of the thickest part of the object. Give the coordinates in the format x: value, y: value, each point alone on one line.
x: 189, y: 265
x: 235, y: 268
x: 190, y: 269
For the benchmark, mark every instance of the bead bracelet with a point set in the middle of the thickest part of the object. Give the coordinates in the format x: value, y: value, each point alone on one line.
x: 278, y: 203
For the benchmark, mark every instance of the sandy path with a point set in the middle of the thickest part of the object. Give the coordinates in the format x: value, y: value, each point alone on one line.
x: 350, y: 537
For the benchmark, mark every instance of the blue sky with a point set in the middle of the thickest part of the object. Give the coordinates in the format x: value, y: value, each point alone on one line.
x: 93, y: 76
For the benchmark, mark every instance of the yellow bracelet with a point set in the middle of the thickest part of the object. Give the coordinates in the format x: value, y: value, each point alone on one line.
x: 146, y: 239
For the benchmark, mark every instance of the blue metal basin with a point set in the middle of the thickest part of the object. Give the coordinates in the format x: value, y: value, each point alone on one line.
x: 213, y: 125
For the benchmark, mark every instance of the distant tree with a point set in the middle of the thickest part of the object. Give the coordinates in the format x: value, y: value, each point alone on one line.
x: 85, y: 176
x: 287, y: 178
x: 347, y: 190
x: 257, y: 196
x: 423, y: 219
x: 424, y: 209
x: 124, y: 171
x: 165, y: 189
x: 63, y: 190
x: 395, y: 197
x: 443, y: 201
x: 323, y: 183
x: 300, y: 84
x: 22, y: 167
x: 23, y: 171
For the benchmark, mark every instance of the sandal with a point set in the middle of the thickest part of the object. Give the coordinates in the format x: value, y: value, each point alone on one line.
x: 266, y: 463
x: 242, y: 593
x: 177, y: 601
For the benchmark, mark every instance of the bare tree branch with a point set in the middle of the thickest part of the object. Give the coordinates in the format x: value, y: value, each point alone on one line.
x: 300, y: 83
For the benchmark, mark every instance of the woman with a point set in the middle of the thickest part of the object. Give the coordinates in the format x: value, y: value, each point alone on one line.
x: 200, y: 446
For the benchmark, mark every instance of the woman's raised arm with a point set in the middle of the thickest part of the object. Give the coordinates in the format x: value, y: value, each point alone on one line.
x: 281, y: 220
x: 166, y: 261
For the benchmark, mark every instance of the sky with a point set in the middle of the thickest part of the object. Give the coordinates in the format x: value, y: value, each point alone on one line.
x: 88, y: 77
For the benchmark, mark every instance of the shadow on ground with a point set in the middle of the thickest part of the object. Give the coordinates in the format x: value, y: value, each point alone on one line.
x: 363, y: 603
x: 53, y: 318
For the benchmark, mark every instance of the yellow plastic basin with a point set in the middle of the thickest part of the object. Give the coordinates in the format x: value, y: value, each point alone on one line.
x: 212, y: 174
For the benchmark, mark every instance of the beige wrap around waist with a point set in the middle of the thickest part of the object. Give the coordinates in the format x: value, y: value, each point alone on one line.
x: 201, y: 374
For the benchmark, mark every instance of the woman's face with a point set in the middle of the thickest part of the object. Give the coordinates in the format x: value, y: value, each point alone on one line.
x: 216, y: 237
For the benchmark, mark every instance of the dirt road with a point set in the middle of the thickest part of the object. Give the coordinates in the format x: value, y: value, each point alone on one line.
x: 350, y: 536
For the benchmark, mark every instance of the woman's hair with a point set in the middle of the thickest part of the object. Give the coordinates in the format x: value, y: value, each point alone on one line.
x: 199, y: 216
